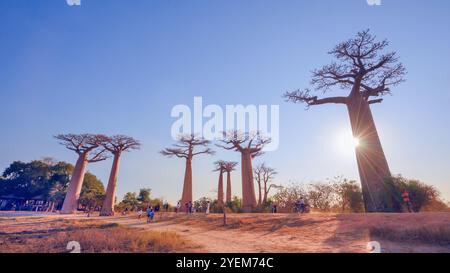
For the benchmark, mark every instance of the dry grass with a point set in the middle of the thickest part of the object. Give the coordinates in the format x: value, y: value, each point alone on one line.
x: 93, y: 236
x: 431, y: 235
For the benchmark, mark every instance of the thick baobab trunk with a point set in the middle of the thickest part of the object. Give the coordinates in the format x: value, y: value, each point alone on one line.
x: 187, y: 186
x: 228, y: 197
x: 108, y: 203
x: 220, y: 190
x: 76, y: 182
x: 248, y: 189
x: 372, y: 164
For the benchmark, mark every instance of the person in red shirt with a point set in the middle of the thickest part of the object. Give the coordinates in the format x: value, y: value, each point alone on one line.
x: 407, y: 200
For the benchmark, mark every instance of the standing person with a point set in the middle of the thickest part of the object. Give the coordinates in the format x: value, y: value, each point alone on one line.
x: 149, y: 214
x: 302, y: 205
x: 208, y: 205
x: 139, y: 213
x: 190, y: 207
x: 166, y: 207
x: 177, y: 209
x: 157, y: 207
x: 407, y: 200
x: 274, y: 208
x: 186, y: 206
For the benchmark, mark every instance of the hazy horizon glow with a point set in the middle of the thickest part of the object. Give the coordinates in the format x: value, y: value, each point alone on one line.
x: 118, y: 68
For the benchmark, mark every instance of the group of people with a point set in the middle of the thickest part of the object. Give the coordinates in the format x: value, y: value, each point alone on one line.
x: 190, y: 208
x: 300, y: 205
x: 150, y: 212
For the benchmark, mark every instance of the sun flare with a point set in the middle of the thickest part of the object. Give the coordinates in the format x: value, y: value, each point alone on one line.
x: 347, y: 143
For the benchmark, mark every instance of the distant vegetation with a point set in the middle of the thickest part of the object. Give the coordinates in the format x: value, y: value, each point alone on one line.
x: 342, y: 195
x: 47, y: 180
x: 142, y: 199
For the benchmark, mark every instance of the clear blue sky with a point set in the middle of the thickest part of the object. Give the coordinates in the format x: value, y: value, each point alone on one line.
x: 120, y: 66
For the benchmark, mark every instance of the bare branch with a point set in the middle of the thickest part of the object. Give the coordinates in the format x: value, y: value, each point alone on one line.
x: 121, y: 143
x: 242, y: 142
x: 363, y: 67
x: 185, y: 146
x: 305, y: 97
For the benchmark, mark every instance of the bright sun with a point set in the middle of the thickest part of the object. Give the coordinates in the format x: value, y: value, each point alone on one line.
x: 355, y: 142
x: 346, y: 143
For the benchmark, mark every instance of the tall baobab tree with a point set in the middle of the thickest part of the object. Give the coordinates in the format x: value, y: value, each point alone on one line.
x: 368, y: 72
x: 229, y: 166
x: 263, y: 176
x: 89, y: 149
x: 250, y: 146
x: 185, y: 148
x: 220, y: 167
x: 116, y: 145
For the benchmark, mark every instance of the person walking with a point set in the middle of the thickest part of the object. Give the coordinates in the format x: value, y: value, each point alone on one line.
x: 208, y: 205
x: 190, y: 207
x: 139, y: 213
x: 150, y: 215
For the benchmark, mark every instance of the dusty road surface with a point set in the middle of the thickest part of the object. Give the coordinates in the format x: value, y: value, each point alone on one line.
x: 420, y: 232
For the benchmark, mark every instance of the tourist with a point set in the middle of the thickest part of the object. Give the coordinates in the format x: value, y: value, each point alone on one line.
x: 190, y: 207
x: 274, y: 208
x: 186, y: 207
x: 178, y: 207
x: 302, y: 205
x: 208, y: 205
x: 140, y: 213
x: 150, y: 214
x: 407, y: 200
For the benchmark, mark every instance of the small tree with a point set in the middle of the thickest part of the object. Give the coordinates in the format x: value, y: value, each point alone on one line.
x: 348, y: 195
x: 144, y: 196
x: 263, y: 176
x: 321, y: 196
x: 129, y: 201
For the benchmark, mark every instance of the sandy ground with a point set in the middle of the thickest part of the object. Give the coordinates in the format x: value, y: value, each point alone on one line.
x: 274, y: 232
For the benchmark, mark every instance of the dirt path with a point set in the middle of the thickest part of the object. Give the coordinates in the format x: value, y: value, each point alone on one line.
x: 281, y: 232
x: 289, y: 232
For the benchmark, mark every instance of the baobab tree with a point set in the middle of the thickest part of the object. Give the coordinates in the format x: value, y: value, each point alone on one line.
x: 89, y: 149
x: 229, y: 166
x: 368, y: 72
x: 116, y: 145
x: 185, y: 148
x: 220, y: 167
x: 263, y: 176
x: 250, y: 146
